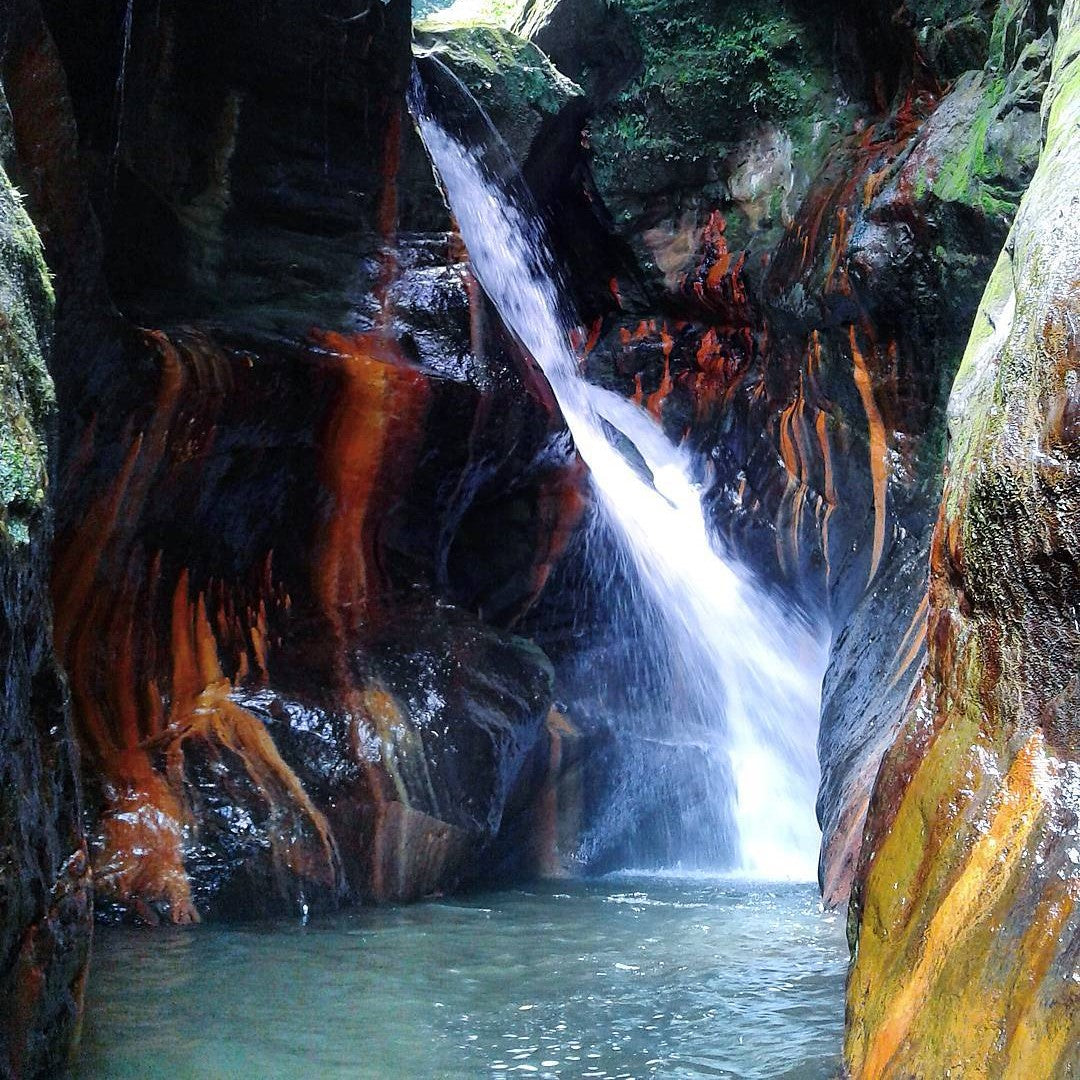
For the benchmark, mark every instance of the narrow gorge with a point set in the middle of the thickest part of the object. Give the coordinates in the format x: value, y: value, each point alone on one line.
x: 539, y: 536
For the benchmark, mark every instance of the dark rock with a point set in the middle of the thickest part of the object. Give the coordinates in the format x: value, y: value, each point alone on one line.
x: 248, y: 504
x: 45, y: 897
x: 590, y: 41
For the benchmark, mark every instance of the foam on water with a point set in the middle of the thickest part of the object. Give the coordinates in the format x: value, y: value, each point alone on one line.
x: 750, y: 673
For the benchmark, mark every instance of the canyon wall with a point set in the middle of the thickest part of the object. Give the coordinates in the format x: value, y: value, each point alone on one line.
x: 320, y: 579
x: 45, y: 905
x: 965, y: 917
x: 306, y: 482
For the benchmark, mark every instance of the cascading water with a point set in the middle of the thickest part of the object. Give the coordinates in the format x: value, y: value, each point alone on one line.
x: 748, y: 676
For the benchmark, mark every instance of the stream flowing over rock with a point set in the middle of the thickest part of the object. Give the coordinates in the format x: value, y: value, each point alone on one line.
x: 307, y: 595
x: 791, y: 252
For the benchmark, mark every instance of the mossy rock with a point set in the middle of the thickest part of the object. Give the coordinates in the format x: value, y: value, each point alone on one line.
x: 519, y: 87
x: 593, y: 42
x: 27, y: 400
x: 990, y: 162
x: 716, y: 85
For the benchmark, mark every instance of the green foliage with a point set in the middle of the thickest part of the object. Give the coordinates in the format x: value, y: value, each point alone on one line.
x: 747, y: 59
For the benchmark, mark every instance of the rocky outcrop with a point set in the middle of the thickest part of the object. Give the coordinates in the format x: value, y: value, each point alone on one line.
x: 45, y: 902
x: 307, y: 483
x: 966, y: 932
x: 527, y: 94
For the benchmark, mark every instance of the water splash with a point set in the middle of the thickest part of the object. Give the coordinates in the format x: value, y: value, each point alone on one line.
x: 749, y: 675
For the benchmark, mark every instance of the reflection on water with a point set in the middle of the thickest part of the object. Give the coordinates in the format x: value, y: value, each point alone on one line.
x: 617, y: 978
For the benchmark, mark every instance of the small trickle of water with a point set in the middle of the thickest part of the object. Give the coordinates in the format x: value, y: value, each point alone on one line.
x: 750, y: 673
x: 121, y: 78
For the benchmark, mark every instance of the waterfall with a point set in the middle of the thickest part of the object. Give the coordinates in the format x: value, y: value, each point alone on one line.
x: 749, y: 674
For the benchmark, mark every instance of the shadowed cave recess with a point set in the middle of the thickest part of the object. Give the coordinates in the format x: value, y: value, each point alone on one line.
x: 456, y: 448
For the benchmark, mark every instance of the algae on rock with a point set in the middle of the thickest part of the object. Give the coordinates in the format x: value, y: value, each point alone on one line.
x: 967, y: 925
x: 27, y: 401
x: 521, y: 87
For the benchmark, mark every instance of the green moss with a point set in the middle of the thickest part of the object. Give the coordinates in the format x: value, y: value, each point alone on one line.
x: 710, y: 75
x: 26, y: 391
x: 517, y: 83
x: 921, y: 185
x: 1005, y: 33
x: 967, y: 175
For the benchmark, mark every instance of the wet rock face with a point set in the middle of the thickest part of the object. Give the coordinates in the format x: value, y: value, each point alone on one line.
x: 238, y: 154
x: 967, y: 889
x: 45, y: 901
x: 253, y: 706
x: 307, y: 483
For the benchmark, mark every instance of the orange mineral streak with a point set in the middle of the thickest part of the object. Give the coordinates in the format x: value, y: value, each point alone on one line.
x: 993, y: 859
x: 386, y: 219
x: 552, y: 810
x: 874, y: 183
x: 594, y: 336
x: 861, y: 166
x: 562, y: 503
x: 376, y: 416
x: 841, y: 283
x: 137, y: 698
x: 879, y: 457
x: 913, y: 641
x: 411, y: 851
x: 840, y: 858
x: 656, y: 400
x: 797, y: 452
x: 793, y: 468
x: 822, y: 427
x: 1041, y: 1030
x: 720, y: 367
x: 718, y: 281
x: 79, y: 560
x: 201, y: 708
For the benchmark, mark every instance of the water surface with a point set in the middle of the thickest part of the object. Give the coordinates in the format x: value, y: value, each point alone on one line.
x: 616, y: 978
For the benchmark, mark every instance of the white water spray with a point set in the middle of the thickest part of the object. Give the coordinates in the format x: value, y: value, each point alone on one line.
x: 754, y: 670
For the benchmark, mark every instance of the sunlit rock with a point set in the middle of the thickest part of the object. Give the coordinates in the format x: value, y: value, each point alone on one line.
x: 966, y: 933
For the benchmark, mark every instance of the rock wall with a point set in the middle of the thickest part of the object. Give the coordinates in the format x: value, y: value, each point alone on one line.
x: 965, y: 919
x: 307, y: 483
x: 45, y: 900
